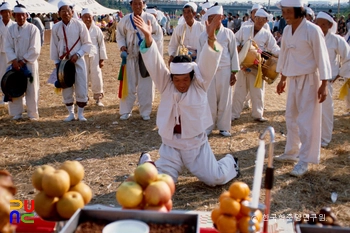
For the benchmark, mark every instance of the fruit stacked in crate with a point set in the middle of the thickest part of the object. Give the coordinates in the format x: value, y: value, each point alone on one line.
x: 232, y: 215
x: 7, y: 192
x: 145, y: 189
x: 62, y: 191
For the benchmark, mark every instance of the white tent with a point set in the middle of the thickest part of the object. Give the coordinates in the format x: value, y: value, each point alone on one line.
x: 35, y: 6
x: 95, y: 7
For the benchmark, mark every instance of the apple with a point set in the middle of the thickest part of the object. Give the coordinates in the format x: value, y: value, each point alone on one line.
x: 169, y: 180
x: 84, y: 190
x: 129, y: 194
x: 69, y: 203
x: 145, y: 174
x: 75, y: 171
x: 38, y: 176
x: 45, y: 206
x: 131, y: 177
x: 157, y: 193
x: 55, y: 183
x: 160, y: 208
x: 169, y: 205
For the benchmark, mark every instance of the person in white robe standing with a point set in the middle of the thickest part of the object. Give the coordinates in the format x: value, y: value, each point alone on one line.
x: 95, y: 60
x: 157, y: 37
x: 246, y: 77
x: 128, y: 40
x: 339, y: 55
x: 303, y: 63
x: 186, y: 34
x: 70, y: 39
x: 184, y: 113
x: 5, y: 23
x: 220, y: 89
x: 22, y: 47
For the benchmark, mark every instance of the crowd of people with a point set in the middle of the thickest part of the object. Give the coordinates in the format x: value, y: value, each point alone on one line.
x: 204, y: 85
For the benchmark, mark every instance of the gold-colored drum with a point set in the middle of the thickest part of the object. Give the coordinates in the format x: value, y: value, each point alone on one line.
x: 248, y: 55
x: 269, y: 70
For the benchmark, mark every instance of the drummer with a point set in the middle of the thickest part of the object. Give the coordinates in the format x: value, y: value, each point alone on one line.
x: 71, y: 34
x: 22, y: 47
x: 339, y: 55
x: 246, y: 77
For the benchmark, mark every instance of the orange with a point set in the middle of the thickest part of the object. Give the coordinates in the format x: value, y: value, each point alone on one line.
x: 230, y: 206
x: 243, y: 224
x: 239, y: 190
x: 215, y: 214
x: 258, y: 215
x: 226, y: 224
x: 224, y: 194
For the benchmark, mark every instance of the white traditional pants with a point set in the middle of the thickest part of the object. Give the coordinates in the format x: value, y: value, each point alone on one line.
x: 143, y: 87
x: 220, y: 99
x: 201, y: 162
x: 303, y: 118
x: 80, y: 87
x: 327, y: 116
x: 15, y: 106
x: 3, y: 67
x: 94, y: 74
x: 244, y: 85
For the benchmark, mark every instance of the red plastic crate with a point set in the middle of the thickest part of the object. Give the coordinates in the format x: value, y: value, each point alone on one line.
x: 38, y: 226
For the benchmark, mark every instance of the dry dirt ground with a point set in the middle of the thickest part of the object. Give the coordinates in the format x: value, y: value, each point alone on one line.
x: 109, y: 149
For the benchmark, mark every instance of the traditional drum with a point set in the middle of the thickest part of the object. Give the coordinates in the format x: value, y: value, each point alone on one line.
x: 269, y: 69
x: 14, y: 84
x: 249, y: 55
x: 65, y: 74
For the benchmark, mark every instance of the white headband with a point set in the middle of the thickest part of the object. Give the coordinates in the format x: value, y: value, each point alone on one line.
x: 256, y: 6
x: 323, y: 15
x: 206, y: 5
x: 215, y: 10
x: 309, y: 11
x: 191, y: 4
x: 18, y: 9
x: 185, y: 68
x: 290, y: 3
x: 5, y: 6
x: 151, y: 11
x: 86, y: 11
x: 64, y: 3
x: 262, y: 13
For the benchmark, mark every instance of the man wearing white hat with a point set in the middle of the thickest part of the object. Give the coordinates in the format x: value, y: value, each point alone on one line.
x: 304, y: 63
x: 70, y: 39
x: 186, y: 34
x: 246, y: 77
x: 310, y: 14
x: 128, y: 40
x: 95, y: 60
x: 203, y: 12
x: 339, y: 55
x: 220, y: 91
x: 5, y: 23
x: 250, y: 21
x: 158, y: 37
x: 22, y: 47
x: 183, y: 113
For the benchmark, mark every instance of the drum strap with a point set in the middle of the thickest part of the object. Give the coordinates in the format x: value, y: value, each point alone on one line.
x: 65, y: 40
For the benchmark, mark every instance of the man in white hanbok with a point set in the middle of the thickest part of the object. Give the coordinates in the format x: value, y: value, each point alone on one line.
x: 220, y: 89
x: 186, y: 34
x: 95, y: 60
x: 128, y: 40
x: 22, y: 47
x: 70, y: 39
x: 303, y: 63
x: 5, y: 23
x: 246, y: 77
x: 339, y: 55
x: 184, y: 113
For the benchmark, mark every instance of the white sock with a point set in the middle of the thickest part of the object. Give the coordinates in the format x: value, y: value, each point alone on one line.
x: 71, y: 116
x: 81, y: 114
